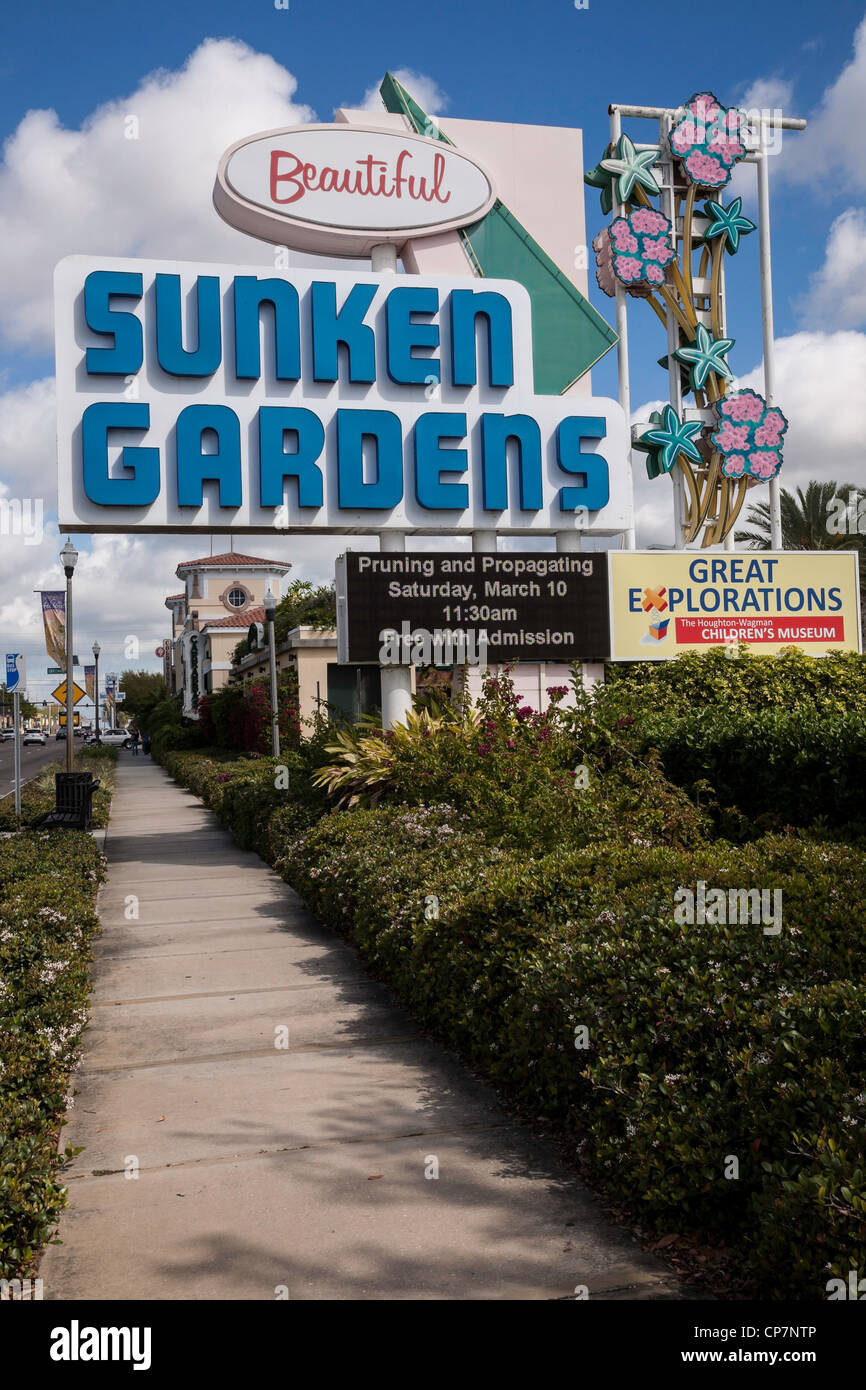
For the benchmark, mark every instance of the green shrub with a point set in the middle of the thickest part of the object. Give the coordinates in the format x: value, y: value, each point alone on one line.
x: 38, y: 797
x: 48, y: 884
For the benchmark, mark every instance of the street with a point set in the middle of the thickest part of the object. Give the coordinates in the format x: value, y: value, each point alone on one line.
x: 33, y: 759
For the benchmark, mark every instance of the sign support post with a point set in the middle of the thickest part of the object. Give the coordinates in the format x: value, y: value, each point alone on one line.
x: 16, y: 715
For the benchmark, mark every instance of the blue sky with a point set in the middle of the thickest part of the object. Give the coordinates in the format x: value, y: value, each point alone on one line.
x: 545, y: 63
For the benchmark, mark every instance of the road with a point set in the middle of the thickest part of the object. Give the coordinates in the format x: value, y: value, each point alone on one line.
x: 33, y: 759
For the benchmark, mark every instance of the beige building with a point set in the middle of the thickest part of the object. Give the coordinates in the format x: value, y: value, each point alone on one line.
x: 221, y: 596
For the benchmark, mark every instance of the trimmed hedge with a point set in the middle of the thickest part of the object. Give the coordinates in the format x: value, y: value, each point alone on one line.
x: 48, y: 884
x: 38, y: 796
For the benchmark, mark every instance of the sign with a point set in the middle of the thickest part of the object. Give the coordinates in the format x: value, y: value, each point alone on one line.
x: 318, y: 401
x: 666, y: 602
x: 54, y: 622
x: 340, y: 189
x: 60, y: 693
x: 16, y: 674
x: 120, y: 697
x: 530, y: 606
x: 75, y: 719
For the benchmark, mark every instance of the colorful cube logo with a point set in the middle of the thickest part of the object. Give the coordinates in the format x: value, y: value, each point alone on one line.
x: 659, y: 629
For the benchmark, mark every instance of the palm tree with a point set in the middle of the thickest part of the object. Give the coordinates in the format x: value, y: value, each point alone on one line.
x: 810, y: 521
x: 805, y: 518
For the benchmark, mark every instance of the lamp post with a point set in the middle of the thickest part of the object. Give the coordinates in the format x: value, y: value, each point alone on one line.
x: 96, y: 650
x: 68, y: 557
x: 270, y: 609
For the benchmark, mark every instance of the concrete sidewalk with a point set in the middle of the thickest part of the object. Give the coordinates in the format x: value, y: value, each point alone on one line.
x: 300, y: 1171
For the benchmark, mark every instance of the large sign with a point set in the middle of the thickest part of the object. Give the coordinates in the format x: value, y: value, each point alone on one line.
x: 512, y: 606
x: 16, y: 674
x: 341, y: 189
x: 663, y: 603
x: 209, y: 397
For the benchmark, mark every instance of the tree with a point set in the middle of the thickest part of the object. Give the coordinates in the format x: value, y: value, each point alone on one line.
x: 28, y: 709
x: 827, y: 516
x: 143, y: 690
x: 303, y: 605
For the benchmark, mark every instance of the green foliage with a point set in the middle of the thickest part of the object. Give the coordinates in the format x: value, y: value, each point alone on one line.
x: 144, y: 691
x: 303, y: 605
x: 38, y: 796
x: 48, y: 884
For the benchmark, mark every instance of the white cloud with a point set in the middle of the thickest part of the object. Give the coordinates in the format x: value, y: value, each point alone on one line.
x: 424, y: 90
x: 95, y: 190
x: 767, y: 94
x: 837, y: 294
x: 832, y: 143
x: 819, y: 388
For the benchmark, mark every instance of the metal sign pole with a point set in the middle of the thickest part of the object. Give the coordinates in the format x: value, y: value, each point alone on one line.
x: 16, y: 715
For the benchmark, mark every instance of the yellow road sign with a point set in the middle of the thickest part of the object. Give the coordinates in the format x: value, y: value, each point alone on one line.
x: 60, y: 693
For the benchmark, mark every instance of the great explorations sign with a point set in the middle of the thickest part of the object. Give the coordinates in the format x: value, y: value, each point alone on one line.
x: 230, y: 400
x: 341, y: 189
x: 666, y: 602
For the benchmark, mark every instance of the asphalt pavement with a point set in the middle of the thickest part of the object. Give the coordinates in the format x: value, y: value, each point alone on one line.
x: 33, y: 758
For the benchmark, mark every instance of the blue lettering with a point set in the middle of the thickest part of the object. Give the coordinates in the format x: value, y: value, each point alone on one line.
x: 249, y: 295
x: 404, y: 335
x: 496, y: 430
x: 275, y: 421
x: 194, y: 467
x: 142, y: 486
x: 170, y: 352
x: 122, y: 326
x: 466, y: 306
x: 331, y: 328
x: 353, y: 426
x: 594, y: 493
x: 431, y: 461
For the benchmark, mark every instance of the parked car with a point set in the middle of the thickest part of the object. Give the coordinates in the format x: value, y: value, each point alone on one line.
x: 6, y: 735
x: 34, y: 736
x: 112, y: 738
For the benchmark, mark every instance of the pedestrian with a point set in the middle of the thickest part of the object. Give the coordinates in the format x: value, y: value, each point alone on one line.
x: 145, y: 744
x: 133, y: 742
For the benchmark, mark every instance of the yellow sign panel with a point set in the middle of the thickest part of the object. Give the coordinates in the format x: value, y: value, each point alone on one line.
x: 60, y: 693
x: 74, y: 719
x: 664, y: 602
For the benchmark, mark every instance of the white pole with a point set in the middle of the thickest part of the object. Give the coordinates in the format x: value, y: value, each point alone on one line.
x: 622, y: 346
x: 70, y: 668
x: 674, y: 382
x: 767, y: 321
x: 396, y: 680
x: 16, y: 716
x: 272, y: 655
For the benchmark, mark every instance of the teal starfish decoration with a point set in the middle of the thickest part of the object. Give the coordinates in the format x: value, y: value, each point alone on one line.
x: 705, y: 356
x: 597, y: 178
x: 672, y: 436
x: 728, y: 222
x: 630, y: 167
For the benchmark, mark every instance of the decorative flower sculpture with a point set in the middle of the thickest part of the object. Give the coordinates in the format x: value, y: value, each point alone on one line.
x: 727, y: 222
x: 630, y: 166
x: 706, y: 355
x: 707, y: 141
x: 641, y: 247
x: 749, y: 436
x: 670, y: 438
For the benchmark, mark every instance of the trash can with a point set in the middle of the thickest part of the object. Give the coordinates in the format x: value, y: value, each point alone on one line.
x: 73, y: 800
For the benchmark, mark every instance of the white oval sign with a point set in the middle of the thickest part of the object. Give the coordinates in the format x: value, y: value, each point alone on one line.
x: 341, y: 189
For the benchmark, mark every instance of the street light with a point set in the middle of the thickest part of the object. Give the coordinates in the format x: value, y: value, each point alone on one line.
x: 96, y: 650
x: 270, y: 609
x: 68, y: 557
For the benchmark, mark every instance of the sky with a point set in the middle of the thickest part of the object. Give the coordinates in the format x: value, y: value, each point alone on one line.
x: 199, y: 76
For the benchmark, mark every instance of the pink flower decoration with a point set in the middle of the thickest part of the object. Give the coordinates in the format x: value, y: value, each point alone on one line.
x: 648, y: 220
x: 655, y: 274
x: 622, y: 236
x: 627, y: 268
x: 761, y: 425
x: 634, y: 250
x: 658, y: 250
x: 707, y: 140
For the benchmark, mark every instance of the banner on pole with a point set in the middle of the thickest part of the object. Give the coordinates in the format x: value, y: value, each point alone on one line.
x: 54, y: 621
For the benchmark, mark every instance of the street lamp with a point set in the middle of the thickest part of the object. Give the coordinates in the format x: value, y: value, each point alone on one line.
x: 270, y: 609
x: 96, y: 650
x: 68, y: 557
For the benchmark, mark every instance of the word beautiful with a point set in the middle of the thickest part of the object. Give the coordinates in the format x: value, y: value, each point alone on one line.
x: 318, y: 401
x: 367, y: 178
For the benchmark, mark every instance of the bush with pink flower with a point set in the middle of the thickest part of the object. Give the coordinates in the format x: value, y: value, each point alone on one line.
x: 707, y: 140
x: 749, y: 436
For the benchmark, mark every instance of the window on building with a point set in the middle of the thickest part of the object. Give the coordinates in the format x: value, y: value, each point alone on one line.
x: 237, y: 598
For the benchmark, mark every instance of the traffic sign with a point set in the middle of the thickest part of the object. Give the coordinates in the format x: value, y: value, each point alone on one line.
x: 60, y: 693
x: 16, y: 673
x: 75, y: 719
